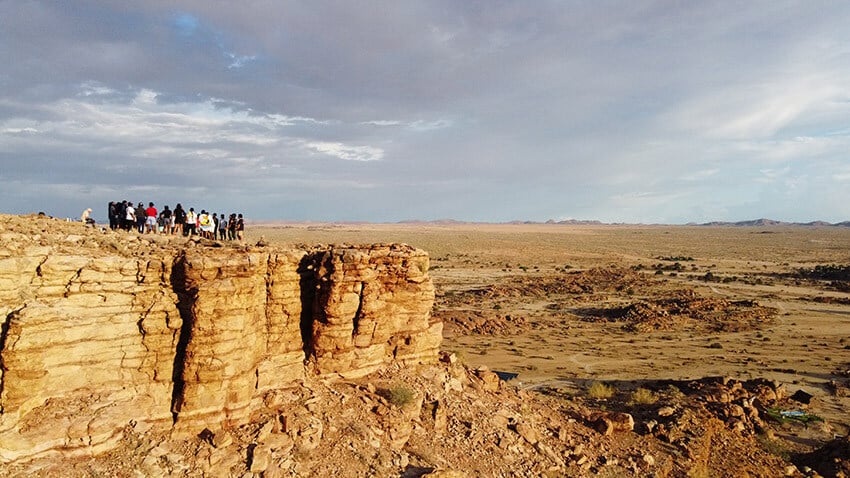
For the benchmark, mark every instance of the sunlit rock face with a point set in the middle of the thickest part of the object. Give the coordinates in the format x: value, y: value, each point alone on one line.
x: 101, y: 331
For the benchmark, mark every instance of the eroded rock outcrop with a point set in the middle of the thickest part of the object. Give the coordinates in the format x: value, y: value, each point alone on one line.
x: 373, y: 306
x: 102, y: 330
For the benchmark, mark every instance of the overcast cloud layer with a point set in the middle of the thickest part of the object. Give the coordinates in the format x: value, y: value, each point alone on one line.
x: 647, y: 111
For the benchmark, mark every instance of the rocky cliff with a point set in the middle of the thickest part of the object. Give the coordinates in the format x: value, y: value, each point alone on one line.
x: 105, y: 330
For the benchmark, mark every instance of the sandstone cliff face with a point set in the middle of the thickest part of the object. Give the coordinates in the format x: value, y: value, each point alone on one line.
x: 101, y: 331
x: 373, y: 306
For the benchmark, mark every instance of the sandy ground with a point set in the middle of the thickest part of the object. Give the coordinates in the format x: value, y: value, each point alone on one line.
x: 550, y: 302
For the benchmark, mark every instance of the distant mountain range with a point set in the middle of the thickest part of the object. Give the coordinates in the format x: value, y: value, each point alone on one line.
x: 772, y: 222
x: 751, y: 223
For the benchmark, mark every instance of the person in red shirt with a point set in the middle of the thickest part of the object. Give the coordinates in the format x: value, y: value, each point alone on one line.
x: 150, y: 224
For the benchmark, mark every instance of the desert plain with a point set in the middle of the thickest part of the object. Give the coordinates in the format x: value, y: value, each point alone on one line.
x: 567, y: 350
x: 562, y: 306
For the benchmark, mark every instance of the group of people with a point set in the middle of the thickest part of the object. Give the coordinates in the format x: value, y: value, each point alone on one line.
x: 149, y: 220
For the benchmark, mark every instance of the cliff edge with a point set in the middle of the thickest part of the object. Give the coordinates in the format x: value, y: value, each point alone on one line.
x: 102, y: 329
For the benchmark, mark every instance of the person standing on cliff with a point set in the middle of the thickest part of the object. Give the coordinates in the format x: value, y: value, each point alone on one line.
x: 150, y: 221
x: 129, y: 217
x: 222, y: 227
x: 141, y: 218
x: 179, y: 219
x: 240, y: 227
x: 166, y: 218
x: 112, y: 212
x: 191, y: 221
x: 231, y: 227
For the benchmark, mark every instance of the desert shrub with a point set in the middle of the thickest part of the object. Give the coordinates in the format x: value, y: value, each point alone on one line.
x: 398, y: 395
x: 673, y: 391
x: 826, y: 272
x: 675, y: 258
x: 642, y: 396
x: 599, y: 390
x: 774, y: 447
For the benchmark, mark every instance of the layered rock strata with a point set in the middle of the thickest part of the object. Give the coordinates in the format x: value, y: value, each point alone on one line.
x: 101, y: 331
x: 372, y: 307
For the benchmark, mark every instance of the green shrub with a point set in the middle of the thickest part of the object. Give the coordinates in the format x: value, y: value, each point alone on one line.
x: 398, y: 395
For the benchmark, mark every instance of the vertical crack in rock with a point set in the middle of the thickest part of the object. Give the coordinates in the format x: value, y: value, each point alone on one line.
x: 356, y: 319
x: 270, y: 264
x: 308, y: 283
x: 269, y: 313
x: 4, y: 333
x: 38, y: 271
x: 185, y: 301
x: 71, y: 282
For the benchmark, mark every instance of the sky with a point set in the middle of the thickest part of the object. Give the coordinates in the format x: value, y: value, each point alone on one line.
x: 383, y: 111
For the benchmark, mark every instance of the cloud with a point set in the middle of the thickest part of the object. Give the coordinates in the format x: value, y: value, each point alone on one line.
x: 347, y: 152
x: 651, y: 111
x: 239, y: 61
x: 417, y: 125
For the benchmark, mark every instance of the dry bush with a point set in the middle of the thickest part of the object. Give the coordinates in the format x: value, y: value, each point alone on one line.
x: 398, y: 395
x: 642, y: 396
x: 599, y: 390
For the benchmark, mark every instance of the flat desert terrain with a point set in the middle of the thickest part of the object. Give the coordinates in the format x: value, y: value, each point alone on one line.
x: 562, y: 306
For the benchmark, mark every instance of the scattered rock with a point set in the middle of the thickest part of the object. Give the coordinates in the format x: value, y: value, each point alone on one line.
x: 445, y: 474
x: 528, y: 433
x: 608, y: 423
x: 260, y: 457
x: 448, y: 357
x: 490, y: 380
x: 222, y: 439
x: 802, y: 396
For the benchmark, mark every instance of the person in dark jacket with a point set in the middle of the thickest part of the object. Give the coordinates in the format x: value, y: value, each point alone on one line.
x: 179, y: 219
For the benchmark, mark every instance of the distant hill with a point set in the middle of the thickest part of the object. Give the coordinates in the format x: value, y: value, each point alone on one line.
x: 771, y: 222
x: 762, y: 222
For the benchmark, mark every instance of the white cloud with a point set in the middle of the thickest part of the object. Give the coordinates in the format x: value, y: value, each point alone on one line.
x: 238, y: 61
x: 418, y: 125
x: 148, y: 128
x: 145, y: 97
x: 381, y: 123
x: 700, y: 175
x: 347, y: 152
x: 756, y: 109
x: 19, y: 131
x: 422, y: 125
x: 94, y: 88
x: 770, y: 175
